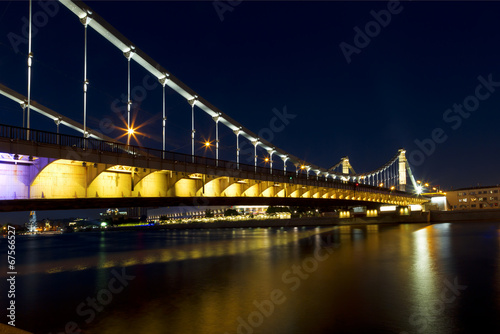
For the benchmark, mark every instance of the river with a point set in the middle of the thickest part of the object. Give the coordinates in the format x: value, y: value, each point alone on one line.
x: 410, y: 278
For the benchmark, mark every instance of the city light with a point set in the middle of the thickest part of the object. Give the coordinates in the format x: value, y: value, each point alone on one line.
x: 266, y: 159
x: 381, y: 184
x: 207, y: 144
x: 131, y: 131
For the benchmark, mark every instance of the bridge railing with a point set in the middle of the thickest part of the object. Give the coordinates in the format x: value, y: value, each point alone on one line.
x: 19, y: 134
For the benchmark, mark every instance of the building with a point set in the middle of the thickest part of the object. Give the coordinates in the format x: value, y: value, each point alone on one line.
x: 475, y: 198
x: 113, y: 215
x: 137, y: 212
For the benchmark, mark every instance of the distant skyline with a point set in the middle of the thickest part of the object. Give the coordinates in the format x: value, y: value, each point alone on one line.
x: 361, y: 79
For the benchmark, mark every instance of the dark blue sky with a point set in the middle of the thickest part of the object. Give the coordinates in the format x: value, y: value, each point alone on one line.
x: 265, y: 55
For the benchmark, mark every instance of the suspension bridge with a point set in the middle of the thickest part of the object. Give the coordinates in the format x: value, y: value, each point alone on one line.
x: 49, y: 170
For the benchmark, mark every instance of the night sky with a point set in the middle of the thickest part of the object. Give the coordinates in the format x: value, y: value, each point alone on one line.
x: 381, y: 93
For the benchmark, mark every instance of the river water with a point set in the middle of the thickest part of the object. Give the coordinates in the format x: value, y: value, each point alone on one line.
x: 417, y: 278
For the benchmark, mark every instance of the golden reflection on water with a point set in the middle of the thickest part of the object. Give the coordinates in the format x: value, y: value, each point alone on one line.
x: 426, y: 282
x: 243, y: 241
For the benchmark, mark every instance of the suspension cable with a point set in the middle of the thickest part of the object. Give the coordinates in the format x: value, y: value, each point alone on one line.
x: 30, y: 61
x: 128, y: 55
x: 85, y: 22
x: 163, y: 82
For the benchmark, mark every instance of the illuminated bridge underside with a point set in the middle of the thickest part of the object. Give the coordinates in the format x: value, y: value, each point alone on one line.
x: 49, y: 183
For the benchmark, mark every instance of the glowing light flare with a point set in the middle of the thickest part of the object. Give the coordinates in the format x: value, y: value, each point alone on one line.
x: 419, y: 190
x: 132, y: 131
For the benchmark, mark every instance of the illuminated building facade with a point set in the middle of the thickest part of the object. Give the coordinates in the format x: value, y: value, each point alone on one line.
x: 475, y: 198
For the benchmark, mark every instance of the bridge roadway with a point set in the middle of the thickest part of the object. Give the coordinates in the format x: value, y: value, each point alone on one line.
x: 54, y: 171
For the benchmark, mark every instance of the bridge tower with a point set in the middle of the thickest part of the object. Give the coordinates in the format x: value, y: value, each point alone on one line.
x: 345, y: 165
x: 402, y: 170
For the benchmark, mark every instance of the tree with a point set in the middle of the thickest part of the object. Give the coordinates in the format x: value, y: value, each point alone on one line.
x: 231, y: 212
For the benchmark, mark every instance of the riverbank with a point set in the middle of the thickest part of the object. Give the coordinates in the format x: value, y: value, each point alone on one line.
x: 416, y: 217
x: 465, y: 216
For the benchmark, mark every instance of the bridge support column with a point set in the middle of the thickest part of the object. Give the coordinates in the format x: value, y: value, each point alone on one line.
x: 216, y: 119
x: 402, y: 170
x: 192, y: 102
x: 284, y: 158
x: 163, y: 82
x: 255, y: 143
x: 237, y: 133
x: 85, y: 21
x: 30, y: 62
x: 129, y: 54
x: 271, y: 152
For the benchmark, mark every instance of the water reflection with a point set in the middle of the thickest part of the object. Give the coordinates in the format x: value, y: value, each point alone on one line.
x: 346, y: 279
x: 200, y: 245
